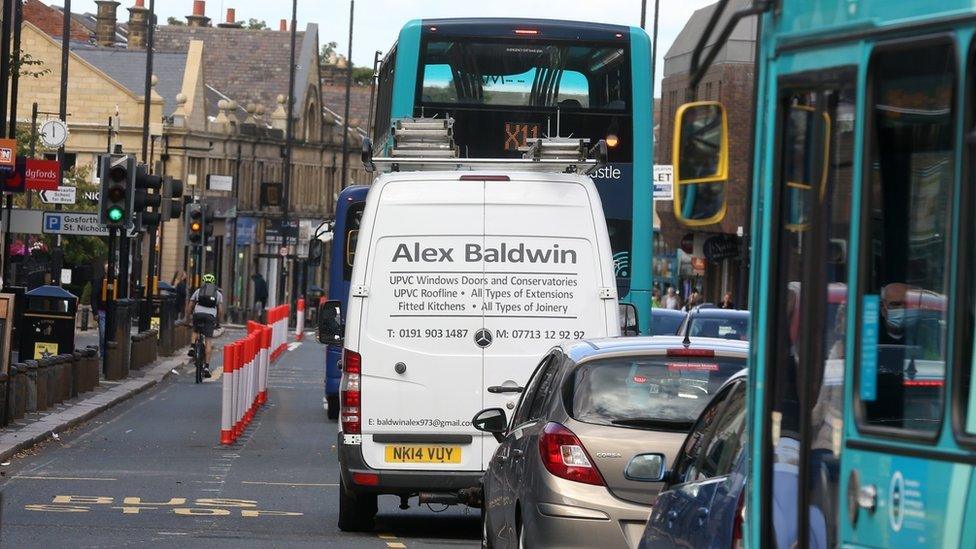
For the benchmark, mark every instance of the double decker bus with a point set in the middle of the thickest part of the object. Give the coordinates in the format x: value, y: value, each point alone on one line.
x: 504, y: 81
x: 862, y: 431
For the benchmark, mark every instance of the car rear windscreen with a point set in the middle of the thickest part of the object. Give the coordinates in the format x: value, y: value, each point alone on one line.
x: 655, y: 392
x: 722, y: 327
x: 665, y: 324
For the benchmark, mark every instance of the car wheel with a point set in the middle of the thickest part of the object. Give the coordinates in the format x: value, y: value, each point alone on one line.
x: 332, y: 406
x: 356, y: 511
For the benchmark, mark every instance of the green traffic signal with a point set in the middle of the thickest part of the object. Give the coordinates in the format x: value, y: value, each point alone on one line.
x: 115, y: 214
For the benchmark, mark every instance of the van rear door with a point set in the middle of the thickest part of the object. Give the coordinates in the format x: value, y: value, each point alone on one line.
x: 422, y: 371
x: 544, y: 265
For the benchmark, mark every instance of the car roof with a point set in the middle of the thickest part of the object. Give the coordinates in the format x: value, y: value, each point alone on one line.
x: 715, y: 312
x: 590, y: 348
x: 658, y: 311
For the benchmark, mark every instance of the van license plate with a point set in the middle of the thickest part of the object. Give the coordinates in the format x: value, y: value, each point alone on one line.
x: 410, y: 453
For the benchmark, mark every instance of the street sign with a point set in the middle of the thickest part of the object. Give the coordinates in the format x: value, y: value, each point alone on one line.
x: 43, y: 175
x: 92, y: 196
x: 220, y: 182
x: 64, y: 195
x: 8, y: 154
x: 73, y: 223
x: 663, y: 182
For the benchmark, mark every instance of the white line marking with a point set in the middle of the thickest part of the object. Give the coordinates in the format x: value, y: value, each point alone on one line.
x: 63, y: 478
x: 286, y: 483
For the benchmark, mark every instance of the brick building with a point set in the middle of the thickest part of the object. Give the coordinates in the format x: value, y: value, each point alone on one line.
x: 709, y: 258
x: 218, y: 108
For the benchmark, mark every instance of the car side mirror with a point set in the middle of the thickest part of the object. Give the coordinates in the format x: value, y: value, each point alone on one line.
x: 629, y: 325
x: 331, y: 327
x: 646, y: 468
x: 700, y: 156
x: 491, y: 420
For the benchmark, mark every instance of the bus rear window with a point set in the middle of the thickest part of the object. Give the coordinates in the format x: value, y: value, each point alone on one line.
x: 525, y: 75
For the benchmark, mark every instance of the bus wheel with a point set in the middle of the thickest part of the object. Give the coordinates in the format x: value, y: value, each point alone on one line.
x: 356, y: 512
x: 332, y: 406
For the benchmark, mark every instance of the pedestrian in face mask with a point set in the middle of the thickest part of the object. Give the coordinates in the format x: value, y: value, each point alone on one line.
x: 893, y: 313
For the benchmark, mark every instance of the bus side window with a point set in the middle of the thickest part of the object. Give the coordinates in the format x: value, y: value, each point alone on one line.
x: 907, y: 244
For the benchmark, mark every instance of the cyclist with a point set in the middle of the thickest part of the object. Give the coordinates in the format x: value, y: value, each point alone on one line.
x: 205, y: 304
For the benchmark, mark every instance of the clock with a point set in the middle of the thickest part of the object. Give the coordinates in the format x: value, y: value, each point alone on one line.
x: 54, y: 133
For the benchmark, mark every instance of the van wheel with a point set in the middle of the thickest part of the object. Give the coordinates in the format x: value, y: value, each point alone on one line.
x: 332, y: 406
x: 356, y: 512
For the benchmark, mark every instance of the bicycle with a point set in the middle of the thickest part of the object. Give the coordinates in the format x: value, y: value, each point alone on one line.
x: 199, y: 355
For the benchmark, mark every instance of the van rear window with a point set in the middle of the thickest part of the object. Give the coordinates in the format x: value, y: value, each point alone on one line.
x: 653, y: 392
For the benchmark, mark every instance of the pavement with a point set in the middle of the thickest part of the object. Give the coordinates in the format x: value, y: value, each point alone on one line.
x: 150, y: 470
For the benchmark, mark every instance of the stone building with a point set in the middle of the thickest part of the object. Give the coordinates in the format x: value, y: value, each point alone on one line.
x: 710, y: 258
x: 218, y: 108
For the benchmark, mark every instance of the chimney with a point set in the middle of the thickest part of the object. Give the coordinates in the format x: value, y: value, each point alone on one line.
x: 198, y: 19
x: 283, y: 25
x: 105, y: 22
x: 231, y: 22
x: 138, y: 25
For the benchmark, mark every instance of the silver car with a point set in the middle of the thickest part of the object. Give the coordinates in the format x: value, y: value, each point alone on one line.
x: 580, y: 462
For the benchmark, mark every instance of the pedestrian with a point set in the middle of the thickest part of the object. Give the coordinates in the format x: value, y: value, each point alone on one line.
x: 672, y: 301
x: 727, y: 301
x: 99, y: 303
x: 179, y: 282
x: 656, y: 299
x: 260, y: 294
x: 693, y: 301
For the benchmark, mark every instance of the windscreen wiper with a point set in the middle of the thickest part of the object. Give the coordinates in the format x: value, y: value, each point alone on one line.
x: 655, y: 423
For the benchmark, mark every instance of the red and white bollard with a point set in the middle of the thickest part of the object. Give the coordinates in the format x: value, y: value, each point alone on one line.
x: 227, y: 396
x: 300, y: 320
x: 265, y: 361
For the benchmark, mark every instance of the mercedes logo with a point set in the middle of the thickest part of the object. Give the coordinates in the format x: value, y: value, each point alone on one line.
x: 483, y: 337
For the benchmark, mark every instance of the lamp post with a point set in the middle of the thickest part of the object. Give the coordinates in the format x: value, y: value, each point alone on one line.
x: 289, y: 126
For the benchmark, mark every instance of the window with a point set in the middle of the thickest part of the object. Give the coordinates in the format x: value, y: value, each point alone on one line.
x: 354, y: 216
x: 908, y: 190
x: 384, y: 99
x: 686, y: 462
x: 546, y: 384
x: 652, y: 392
x: 723, y: 448
x: 522, y: 411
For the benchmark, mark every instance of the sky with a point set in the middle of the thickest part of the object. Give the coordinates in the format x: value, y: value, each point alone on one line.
x: 377, y: 22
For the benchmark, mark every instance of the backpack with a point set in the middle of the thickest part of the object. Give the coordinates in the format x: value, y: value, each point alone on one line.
x: 207, y: 296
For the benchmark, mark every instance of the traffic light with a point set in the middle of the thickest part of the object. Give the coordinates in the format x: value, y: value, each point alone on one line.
x: 115, y: 203
x: 144, y: 200
x: 194, y: 224
x: 172, y: 198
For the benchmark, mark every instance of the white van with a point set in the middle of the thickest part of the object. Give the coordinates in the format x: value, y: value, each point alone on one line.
x: 461, y: 282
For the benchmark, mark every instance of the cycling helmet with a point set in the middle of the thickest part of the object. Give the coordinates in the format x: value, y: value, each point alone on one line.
x: 209, y: 279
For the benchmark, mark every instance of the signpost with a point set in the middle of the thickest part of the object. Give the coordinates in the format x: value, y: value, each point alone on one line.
x: 63, y: 195
x: 73, y: 223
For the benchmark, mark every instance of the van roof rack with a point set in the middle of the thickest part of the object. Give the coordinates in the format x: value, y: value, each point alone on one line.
x: 428, y: 144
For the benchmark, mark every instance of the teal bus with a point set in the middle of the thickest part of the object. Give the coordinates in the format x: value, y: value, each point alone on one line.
x: 504, y: 81
x: 862, y: 425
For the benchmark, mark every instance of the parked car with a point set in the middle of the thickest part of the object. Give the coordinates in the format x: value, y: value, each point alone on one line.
x: 666, y: 321
x: 714, y: 322
x: 579, y: 464
x: 701, y: 504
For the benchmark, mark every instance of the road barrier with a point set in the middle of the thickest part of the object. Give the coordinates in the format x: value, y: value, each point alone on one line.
x: 278, y: 320
x: 300, y: 320
x: 245, y: 379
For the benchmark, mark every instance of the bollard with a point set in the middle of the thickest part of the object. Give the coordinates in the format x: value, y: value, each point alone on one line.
x: 238, y: 355
x: 67, y: 367
x: 265, y: 357
x: 300, y: 320
x: 3, y: 398
x: 227, y: 397
x: 21, y: 402
x: 32, y: 389
x: 77, y: 372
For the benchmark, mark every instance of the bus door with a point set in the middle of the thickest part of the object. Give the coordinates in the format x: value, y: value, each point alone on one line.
x: 904, y: 479
x: 805, y: 345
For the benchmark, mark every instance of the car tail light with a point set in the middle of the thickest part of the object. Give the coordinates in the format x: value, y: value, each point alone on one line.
x: 738, y: 522
x: 698, y: 353
x: 564, y: 456
x: 350, y: 394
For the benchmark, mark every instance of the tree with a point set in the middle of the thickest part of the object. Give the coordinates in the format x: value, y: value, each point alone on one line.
x: 176, y: 22
x: 328, y: 50
x: 362, y: 76
x: 256, y: 24
x: 28, y: 66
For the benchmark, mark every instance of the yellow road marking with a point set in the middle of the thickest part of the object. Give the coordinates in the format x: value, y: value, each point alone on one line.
x: 386, y: 536
x: 63, y: 478
x: 391, y: 541
x: 395, y: 545
x: 285, y: 483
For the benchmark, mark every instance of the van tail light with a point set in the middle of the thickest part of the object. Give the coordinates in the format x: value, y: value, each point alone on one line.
x: 738, y: 523
x: 564, y: 456
x: 350, y: 394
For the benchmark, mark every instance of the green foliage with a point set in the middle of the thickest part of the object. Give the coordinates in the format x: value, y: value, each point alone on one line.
x: 28, y: 66
x: 255, y: 24
x: 328, y: 50
x: 175, y: 21
x: 362, y: 76
x: 86, y: 294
